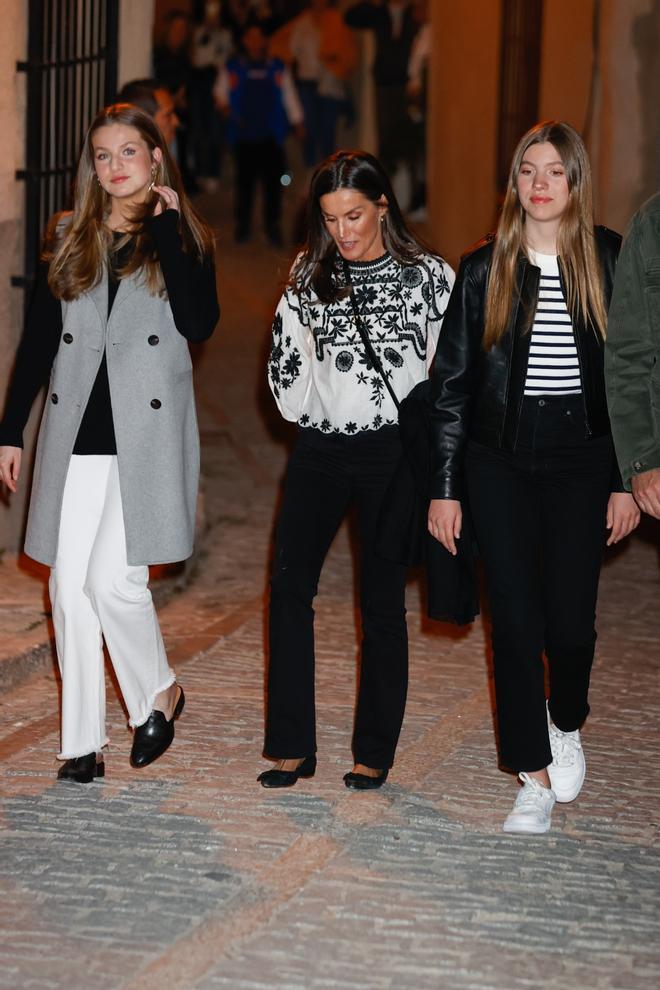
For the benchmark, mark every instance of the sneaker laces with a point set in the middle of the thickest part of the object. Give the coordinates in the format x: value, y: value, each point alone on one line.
x: 532, y: 793
x: 564, y: 746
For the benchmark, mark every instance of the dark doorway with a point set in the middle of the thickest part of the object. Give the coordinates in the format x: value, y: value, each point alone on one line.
x: 71, y: 71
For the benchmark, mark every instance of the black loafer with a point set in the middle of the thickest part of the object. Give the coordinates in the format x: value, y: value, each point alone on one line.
x: 287, y: 778
x: 362, y: 782
x: 82, y: 769
x: 152, y: 739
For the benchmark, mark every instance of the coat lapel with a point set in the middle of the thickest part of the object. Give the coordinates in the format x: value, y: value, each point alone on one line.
x: 99, y: 296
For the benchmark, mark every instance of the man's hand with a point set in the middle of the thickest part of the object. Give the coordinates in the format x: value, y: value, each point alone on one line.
x: 646, y: 489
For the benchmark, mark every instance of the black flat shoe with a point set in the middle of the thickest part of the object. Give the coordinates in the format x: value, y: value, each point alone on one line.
x: 362, y: 782
x: 287, y: 778
x: 82, y: 769
x: 152, y: 739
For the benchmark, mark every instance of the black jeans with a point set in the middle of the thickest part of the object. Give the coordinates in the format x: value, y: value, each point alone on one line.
x: 258, y: 161
x: 539, y: 518
x: 325, y: 473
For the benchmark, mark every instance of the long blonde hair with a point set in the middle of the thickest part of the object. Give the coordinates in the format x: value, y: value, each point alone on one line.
x: 78, y: 250
x: 575, y: 240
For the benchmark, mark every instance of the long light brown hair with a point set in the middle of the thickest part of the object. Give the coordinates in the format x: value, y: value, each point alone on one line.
x: 78, y: 250
x: 575, y: 240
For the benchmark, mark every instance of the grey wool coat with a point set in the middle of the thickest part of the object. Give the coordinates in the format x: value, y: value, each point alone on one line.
x: 153, y: 408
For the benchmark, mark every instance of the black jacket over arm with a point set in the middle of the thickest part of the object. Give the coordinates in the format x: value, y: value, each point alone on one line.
x: 477, y: 394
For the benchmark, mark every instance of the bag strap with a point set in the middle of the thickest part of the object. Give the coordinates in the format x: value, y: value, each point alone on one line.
x: 364, y: 335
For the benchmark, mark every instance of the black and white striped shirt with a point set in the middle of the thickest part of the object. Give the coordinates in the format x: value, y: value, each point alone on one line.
x: 553, y: 367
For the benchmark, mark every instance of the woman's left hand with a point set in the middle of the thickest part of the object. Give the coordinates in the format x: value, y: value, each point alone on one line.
x: 166, y: 196
x: 622, y: 516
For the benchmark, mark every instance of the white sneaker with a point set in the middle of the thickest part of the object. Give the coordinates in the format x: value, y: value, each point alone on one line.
x: 568, y: 767
x: 532, y: 809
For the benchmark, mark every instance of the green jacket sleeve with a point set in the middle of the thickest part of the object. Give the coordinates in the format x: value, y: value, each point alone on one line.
x: 632, y: 365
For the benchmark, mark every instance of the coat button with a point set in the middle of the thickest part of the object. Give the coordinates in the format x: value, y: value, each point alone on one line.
x: 638, y: 465
x: 155, y: 403
x: 67, y: 338
x: 54, y: 399
x: 153, y: 340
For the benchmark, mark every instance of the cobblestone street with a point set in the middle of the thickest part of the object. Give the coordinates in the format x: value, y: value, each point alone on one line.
x: 189, y: 875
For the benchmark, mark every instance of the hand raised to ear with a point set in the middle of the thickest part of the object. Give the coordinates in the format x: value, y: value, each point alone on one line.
x: 167, y: 200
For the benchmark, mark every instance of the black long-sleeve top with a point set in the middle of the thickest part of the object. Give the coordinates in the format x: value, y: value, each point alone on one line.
x: 191, y: 289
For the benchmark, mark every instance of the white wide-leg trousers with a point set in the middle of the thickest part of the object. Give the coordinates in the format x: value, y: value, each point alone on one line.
x: 96, y: 595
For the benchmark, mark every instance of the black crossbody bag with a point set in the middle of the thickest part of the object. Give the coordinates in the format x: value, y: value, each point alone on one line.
x: 403, y: 534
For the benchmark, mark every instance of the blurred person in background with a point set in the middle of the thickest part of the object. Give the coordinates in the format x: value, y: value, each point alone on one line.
x: 395, y: 25
x: 416, y: 89
x: 324, y: 54
x: 212, y: 45
x: 242, y: 14
x: 173, y: 68
x: 156, y: 100
x: 258, y: 97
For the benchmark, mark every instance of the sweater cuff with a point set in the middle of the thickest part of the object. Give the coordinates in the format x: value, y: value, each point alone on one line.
x: 165, y: 228
x: 10, y: 436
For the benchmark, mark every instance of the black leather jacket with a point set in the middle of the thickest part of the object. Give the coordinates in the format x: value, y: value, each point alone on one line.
x: 477, y: 394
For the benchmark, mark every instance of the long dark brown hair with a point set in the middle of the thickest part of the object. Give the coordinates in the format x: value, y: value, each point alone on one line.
x: 317, y: 264
x: 77, y: 250
x: 575, y: 240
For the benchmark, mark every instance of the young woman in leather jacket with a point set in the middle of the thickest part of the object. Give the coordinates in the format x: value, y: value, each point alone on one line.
x: 521, y: 432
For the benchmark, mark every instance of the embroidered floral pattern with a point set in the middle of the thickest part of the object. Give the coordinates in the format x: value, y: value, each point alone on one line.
x: 317, y: 350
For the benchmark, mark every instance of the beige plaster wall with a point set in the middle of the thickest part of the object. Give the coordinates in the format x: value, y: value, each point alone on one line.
x: 136, y: 23
x: 463, y: 99
x: 566, y: 61
x: 626, y: 144
x: 623, y: 127
x: 622, y: 124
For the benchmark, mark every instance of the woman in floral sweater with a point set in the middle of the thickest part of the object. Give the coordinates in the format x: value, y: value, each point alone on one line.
x: 347, y: 448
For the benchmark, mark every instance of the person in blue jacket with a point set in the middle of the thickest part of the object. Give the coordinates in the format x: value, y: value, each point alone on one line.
x: 258, y: 96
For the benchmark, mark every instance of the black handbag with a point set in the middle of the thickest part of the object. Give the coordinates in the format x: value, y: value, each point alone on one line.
x: 402, y: 534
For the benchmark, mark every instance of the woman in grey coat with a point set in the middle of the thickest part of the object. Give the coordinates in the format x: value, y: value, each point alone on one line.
x: 127, y: 280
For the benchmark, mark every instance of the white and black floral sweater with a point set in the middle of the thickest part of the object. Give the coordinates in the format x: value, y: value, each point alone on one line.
x: 318, y: 370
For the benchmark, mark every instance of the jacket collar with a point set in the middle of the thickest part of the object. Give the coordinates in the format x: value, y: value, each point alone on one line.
x: 99, y: 294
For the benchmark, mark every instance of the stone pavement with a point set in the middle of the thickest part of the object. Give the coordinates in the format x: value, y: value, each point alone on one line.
x: 189, y: 875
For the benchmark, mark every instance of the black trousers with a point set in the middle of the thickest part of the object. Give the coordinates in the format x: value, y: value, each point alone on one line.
x: 539, y: 518
x: 258, y: 161
x: 325, y: 474
x: 396, y: 132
